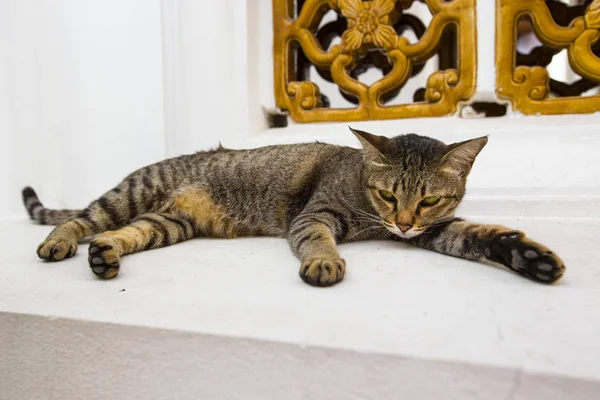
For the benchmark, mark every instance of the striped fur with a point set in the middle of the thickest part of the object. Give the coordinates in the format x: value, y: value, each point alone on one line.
x: 316, y: 195
x: 42, y: 215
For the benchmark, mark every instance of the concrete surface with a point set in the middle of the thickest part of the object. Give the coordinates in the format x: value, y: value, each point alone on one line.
x: 231, y: 319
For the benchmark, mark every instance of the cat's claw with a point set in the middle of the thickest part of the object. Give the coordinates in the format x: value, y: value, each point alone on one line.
x: 56, y: 249
x: 323, y: 272
x: 526, y: 257
x: 103, y: 258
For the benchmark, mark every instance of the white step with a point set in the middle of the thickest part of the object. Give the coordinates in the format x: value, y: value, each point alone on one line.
x: 218, y: 319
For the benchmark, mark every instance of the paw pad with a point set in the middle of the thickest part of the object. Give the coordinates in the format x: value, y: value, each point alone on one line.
x: 526, y: 257
x: 544, y: 277
x: 103, y: 259
x: 544, y: 267
x: 323, y: 272
x: 511, y: 236
x: 530, y: 254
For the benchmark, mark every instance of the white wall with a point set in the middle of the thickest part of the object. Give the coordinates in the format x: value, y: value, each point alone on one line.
x: 218, y: 71
x: 486, y: 50
x: 80, y: 96
x: 91, y: 90
x: 209, y: 72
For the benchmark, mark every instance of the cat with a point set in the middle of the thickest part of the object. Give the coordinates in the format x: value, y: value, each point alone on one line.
x: 404, y: 188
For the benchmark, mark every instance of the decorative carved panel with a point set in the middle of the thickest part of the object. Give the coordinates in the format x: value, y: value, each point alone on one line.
x: 371, y: 36
x: 524, y: 78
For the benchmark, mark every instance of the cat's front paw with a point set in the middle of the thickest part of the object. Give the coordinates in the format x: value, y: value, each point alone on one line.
x: 56, y: 249
x: 103, y: 258
x: 530, y: 259
x: 322, y: 272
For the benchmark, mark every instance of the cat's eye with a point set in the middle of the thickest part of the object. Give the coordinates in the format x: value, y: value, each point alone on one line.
x: 389, y: 196
x: 430, y: 201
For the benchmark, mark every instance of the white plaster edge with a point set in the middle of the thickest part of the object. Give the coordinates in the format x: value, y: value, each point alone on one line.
x: 250, y: 364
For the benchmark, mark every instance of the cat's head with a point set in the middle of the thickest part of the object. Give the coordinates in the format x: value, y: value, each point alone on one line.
x: 414, y: 182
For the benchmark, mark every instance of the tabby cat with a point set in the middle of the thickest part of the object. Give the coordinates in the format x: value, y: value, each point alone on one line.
x: 404, y: 188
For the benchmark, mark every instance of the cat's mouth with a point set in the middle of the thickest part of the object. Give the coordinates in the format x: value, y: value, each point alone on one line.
x: 412, y: 232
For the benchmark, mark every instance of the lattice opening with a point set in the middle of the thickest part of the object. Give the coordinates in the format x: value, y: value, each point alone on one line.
x: 445, y: 58
x: 530, y: 51
x: 565, y: 11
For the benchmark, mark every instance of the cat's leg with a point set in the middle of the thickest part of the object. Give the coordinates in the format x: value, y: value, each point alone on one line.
x: 103, y: 214
x: 62, y: 242
x: 313, y: 240
x: 111, y: 211
x: 148, y: 231
x: 139, y: 193
x: 494, y: 243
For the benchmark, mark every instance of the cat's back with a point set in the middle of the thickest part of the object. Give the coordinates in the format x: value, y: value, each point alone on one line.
x: 271, y: 164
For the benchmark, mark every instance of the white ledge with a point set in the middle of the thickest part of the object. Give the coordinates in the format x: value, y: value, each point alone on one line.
x: 405, y: 323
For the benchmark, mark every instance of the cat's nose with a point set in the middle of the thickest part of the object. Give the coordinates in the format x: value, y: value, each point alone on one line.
x: 404, y: 227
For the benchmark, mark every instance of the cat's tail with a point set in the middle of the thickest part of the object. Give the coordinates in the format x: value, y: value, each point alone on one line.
x: 43, y: 215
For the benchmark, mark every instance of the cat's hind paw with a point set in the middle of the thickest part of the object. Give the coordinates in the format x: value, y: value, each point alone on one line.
x: 103, y: 258
x: 56, y: 249
x: 528, y: 258
x: 323, y: 272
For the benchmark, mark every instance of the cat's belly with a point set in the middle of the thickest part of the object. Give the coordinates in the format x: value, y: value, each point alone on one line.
x: 216, y: 220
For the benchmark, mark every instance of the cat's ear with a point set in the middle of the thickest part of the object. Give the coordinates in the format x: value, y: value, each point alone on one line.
x: 372, y: 146
x: 460, y: 156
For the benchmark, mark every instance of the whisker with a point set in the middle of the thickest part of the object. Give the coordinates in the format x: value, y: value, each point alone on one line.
x: 437, y: 223
x: 364, y: 230
x: 364, y: 218
x: 361, y: 220
x: 358, y: 210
